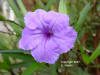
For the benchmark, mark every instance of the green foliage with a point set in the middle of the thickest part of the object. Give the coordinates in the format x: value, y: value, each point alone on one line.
x: 53, y: 69
x: 16, y: 11
x: 2, y: 18
x: 85, y: 57
x: 82, y: 17
x: 24, y: 57
x: 3, y: 43
x: 23, y: 10
x: 32, y: 68
x: 88, y: 59
x: 4, y: 65
x: 49, y: 4
x: 62, y: 7
x: 16, y: 28
x: 20, y: 65
x: 95, y: 54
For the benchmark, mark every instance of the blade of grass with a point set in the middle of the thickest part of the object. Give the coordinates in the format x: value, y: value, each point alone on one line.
x: 95, y: 54
x: 13, y: 51
x: 24, y: 57
x: 21, y: 5
x: 16, y: 11
x: 82, y: 17
x: 62, y: 7
x: 16, y: 28
x: 85, y: 57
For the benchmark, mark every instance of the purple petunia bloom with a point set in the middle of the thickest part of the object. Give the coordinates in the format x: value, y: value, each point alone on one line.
x: 47, y: 35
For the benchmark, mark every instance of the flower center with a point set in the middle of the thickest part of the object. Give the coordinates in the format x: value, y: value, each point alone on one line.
x: 48, y: 34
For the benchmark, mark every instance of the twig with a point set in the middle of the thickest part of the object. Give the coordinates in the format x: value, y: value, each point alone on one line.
x: 6, y: 26
x: 6, y: 33
x: 14, y: 23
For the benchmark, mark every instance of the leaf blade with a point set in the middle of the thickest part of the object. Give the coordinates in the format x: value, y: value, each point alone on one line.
x: 82, y: 17
x: 95, y: 54
x: 16, y: 11
x: 21, y: 5
x: 62, y: 7
x: 32, y: 68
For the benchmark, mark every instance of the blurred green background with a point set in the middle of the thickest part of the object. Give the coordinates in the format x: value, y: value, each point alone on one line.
x: 83, y: 59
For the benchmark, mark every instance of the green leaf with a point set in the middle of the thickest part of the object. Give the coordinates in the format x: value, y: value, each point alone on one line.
x: 21, y: 5
x: 82, y: 17
x: 62, y: 7
x: 16, y: 28
x: 21, y: 64
x: 24, y: 57
x: 6, y: 59
x: 32, y: 68
x: 53, y: 69
x: 4, y: 66
x: 2, y: 18
x: 17, y: 12
x: 13, y: 51
x: 3, y: 44
x: 85, y: 57
x: 18, y: 54
x: 36, y: 7
x: 95, y: 54
x: 50, y: 2
x: 72, y: 14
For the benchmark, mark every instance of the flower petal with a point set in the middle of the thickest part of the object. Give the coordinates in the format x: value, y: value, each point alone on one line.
x: 30, y: 39
x: 54, y: 18
x: 65, y: 39
x: 33, y: 19
x: 46, y: 52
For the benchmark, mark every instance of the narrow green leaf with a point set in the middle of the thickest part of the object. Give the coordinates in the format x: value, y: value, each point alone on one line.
x: 82, y: 17
x: 32, y: 68
x: 72, y: 14
x: 16, y: 11
x: 53, y: 69
x: 6, y: 59
x: 85, y: 57
x: 95, y: 54
x: 24, y: 57
x: 13, y: 51
x: 16, y: 28
x: 50, y: 2
x: 62, y: 7
x: 21, y: 64
x: 21, y: 5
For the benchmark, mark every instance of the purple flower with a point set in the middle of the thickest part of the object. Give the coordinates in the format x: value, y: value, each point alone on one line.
x: 47, y: 35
